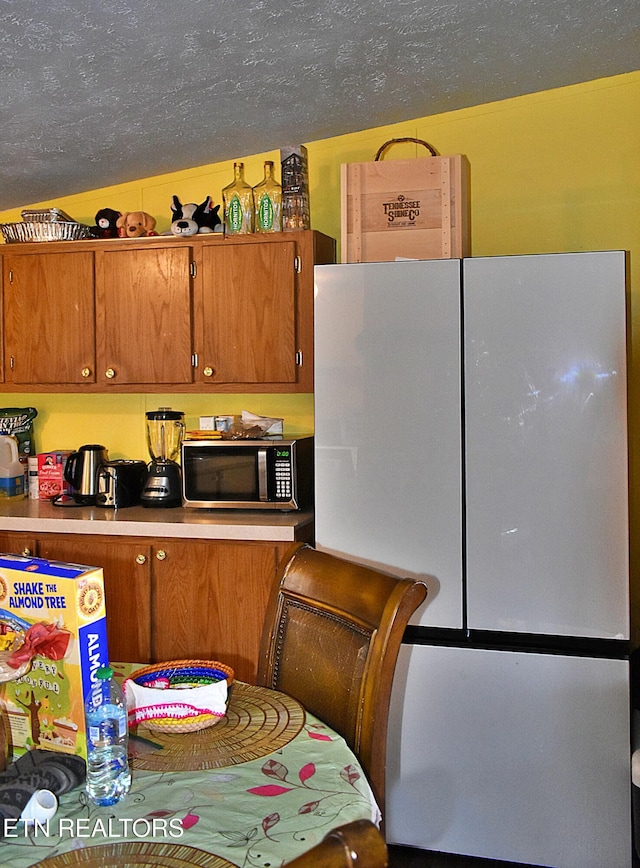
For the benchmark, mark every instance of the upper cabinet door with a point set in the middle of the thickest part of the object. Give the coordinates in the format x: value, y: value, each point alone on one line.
x: 49, y: 318
x: 247, y: 330
x: 143, y: 315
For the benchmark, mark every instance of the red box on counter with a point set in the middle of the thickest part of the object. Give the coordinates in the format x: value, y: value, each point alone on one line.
x: 51, y: 481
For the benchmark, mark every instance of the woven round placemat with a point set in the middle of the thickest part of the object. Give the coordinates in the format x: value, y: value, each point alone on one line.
x: 258, y: 721
x: 136, y: 853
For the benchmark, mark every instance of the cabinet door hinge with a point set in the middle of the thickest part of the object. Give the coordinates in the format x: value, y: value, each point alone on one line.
x: 299, y: 358
x: 297, y: 264
x: 10, y: 275
x: 194, y: 360
x: 192, y: 269
x: 12, y: 363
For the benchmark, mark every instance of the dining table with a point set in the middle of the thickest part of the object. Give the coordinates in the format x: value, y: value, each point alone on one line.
x: 263, y: 785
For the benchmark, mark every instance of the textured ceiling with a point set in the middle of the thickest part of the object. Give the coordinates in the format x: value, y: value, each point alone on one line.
x: 97, y: 93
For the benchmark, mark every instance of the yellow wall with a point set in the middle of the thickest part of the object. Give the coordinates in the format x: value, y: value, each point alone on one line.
x: 550, y: 172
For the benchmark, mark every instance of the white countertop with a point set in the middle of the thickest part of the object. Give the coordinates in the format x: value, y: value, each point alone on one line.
x: 40, y: 516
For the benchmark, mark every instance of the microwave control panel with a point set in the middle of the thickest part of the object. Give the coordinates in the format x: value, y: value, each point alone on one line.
x: 283, y: 472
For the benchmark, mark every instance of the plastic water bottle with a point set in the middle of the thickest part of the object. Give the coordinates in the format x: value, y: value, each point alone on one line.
x: 108, y: 773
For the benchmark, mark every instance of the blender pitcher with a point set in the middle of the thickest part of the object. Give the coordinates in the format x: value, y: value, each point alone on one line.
x: 165, y: 430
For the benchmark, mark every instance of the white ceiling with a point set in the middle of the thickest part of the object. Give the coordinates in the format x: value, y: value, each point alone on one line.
x: 97, y: 93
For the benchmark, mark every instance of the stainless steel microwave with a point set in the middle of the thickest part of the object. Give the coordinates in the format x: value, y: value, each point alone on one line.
x: 248, y: 474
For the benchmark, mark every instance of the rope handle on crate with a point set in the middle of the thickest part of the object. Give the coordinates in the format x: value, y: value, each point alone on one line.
x: 382, y: 148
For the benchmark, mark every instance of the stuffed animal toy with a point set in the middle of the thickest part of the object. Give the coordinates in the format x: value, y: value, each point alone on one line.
x: 192, y: 219
x: 106, y: 220
x: 136, y: 224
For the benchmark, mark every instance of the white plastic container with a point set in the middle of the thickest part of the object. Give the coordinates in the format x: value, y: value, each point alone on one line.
x: 11, y: 470
x: 33, y: 489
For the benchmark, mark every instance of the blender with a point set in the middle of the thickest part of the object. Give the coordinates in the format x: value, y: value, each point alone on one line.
x: 165, y: 429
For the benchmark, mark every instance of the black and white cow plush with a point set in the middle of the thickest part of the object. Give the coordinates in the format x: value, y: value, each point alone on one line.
x: 191, y: 219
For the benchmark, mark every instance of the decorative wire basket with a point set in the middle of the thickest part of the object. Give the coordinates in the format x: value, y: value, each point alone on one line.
x: 41, y: 231
x: 173, y: 679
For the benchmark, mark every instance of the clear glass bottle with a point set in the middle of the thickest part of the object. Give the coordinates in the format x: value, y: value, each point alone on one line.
x: 267, y: 202
x: 108, y: 773
x: 237, y: 199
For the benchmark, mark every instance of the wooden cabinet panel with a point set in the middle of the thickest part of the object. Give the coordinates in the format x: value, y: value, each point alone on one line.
x: 210, y: 599
x: 130, y: 316
x: 49, y: 318
x: 143, y: 315
x: 248, y: 309
x: 173, y: 599
x: 18, y: 544
x: 127, y: 586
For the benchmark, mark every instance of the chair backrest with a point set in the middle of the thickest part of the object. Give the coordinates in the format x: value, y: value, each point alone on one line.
x: 355, y: 845
x: 331, y: 639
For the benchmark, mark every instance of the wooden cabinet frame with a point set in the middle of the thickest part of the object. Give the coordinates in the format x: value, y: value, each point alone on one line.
x: 204, y: 314
x: 170, y: 598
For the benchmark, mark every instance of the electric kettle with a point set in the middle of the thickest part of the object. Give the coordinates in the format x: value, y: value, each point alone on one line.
x: 81, y: 472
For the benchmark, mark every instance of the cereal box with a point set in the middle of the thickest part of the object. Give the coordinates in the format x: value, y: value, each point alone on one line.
x: 45, y: 705
x: 51, y: 481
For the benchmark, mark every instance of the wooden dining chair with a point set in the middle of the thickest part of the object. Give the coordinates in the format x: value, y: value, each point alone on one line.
x: 355, y: 845
x: 331, y: 640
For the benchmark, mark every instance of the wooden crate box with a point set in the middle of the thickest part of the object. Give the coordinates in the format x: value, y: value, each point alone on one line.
x: 416, y: 209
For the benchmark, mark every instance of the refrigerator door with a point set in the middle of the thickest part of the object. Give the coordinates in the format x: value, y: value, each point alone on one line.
x: 508, y: 755
x: 387, y: 422
x: 546, y: 444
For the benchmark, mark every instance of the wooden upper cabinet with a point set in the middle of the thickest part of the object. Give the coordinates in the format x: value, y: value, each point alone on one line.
x: 48, y: 318
x: 143, y: 315
x: 204, y: 314
x: 248, y: 313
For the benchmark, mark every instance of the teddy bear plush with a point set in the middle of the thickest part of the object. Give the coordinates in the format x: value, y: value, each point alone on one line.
x: 106, y: 220
x: 136, y: 224
x: 192, y: 219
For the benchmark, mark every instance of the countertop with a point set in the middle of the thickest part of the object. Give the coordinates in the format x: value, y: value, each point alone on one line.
x: 40, y: 516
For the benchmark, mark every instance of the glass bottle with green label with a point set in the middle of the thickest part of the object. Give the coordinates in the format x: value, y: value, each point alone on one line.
x: 267, y: 201
x: 237, y: 200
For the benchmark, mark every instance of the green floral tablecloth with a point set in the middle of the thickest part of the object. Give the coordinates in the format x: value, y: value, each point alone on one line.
x: 261, y: 812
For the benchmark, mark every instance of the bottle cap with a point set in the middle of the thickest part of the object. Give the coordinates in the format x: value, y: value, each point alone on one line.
x: 104, y: 673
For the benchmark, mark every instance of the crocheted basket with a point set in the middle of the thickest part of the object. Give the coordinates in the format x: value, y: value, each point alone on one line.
x: 178, y: 696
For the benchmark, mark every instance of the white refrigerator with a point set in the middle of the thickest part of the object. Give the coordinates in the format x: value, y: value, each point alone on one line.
x: 470, y: 430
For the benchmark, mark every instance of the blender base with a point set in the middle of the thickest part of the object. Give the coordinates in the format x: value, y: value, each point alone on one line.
x: 163, y: 485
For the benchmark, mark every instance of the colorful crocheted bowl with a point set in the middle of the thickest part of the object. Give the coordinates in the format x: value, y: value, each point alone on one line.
x: 178, y: 696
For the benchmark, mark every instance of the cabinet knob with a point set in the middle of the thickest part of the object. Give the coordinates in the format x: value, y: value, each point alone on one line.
x: 208, y: 371
x: 26, y: 552
x: 161, y: 554
x: 86, y: 372
x: 109, y: 373
x: 141, y: 559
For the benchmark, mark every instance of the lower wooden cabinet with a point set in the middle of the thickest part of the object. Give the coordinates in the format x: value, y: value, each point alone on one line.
x: 173, y: 598
x: 209, y: 600
x: 127, y: 586
x: 18, y: 543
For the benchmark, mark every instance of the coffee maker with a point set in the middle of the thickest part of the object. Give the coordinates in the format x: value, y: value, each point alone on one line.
x: 165, y: 430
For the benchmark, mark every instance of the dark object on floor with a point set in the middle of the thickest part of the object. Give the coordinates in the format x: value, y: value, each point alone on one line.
x: 412, y: 857
x: 37, y: 770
